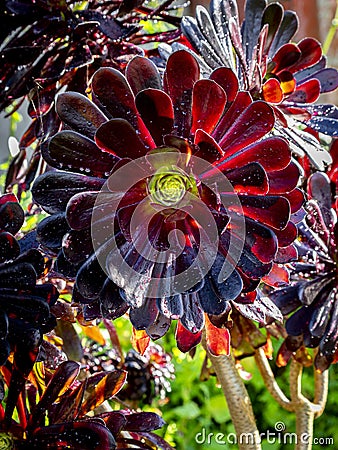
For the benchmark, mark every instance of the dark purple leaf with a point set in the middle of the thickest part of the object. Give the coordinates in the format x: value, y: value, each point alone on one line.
x: 51, y: 230
x: 53, y: 190
x: 73, y: 152
x: 119, y: 138
x: 141, y: 74
x: 157, y: 112
x: 286, y: 31
x: 79, y: 113
x: 11, y: 217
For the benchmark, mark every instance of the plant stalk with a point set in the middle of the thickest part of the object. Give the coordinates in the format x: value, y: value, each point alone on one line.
x: 305, y: 413
x: 238, y: 401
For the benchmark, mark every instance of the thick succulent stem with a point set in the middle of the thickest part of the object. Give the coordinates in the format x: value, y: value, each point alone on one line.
x: 304, y: 409
x: 321, y: 391
x: 238, y: 401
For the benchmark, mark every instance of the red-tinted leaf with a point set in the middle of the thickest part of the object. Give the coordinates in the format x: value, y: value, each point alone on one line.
x: 185, y: 339
x: 156, y: 110
x: 63, y: 377
x: 278, y: 276
x: 241, y: 102
x: 208, y: 150
x: 114, y: 420
x: 218, y: 339
x: 284, y: 180
x: 114, y: 94
x: 250, y: 179
x: 296, y: 199
x: 286, y: 254
x: 116, y: 98
x: 286, y: 236
x: 182, y: 72
x: 272, y: 153
x: 227, y: 79
x: 106, y: 388
x: 307, y: 92
x: 254, y: 123
x: 140, y: 340
x: 261, y: 240
x: 143, y: 421
x: 69, y: 406
x: 208, y: 101
x: 119, y: 138
x: 311, y: 54
x: 271, y: 210
x: 8, y: 198
x: 272, y: 91
x: 286, y: 56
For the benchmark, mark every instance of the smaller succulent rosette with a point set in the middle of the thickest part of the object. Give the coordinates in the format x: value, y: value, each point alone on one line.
x: 289, y: 76
x: 310, y: 302
x: 24, y: 303
x: 25, y: 313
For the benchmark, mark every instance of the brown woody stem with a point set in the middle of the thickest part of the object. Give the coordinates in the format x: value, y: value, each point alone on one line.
x: 321, y: 391
x: 238, y: 401
x: 270, y: 381
x: 305, y: 410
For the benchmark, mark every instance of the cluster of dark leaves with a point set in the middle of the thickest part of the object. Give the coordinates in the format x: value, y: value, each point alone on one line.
x: 52, y: 45
x: 64, y: 398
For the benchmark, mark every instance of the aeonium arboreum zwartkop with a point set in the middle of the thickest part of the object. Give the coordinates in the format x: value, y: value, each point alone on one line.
x: 24, y: 301
x: 312, y: 295
x: 143, y: 171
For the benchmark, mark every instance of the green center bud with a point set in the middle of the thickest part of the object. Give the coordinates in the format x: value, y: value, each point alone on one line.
x: 168, y: 186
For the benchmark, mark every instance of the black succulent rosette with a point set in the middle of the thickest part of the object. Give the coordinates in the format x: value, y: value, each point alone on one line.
x: 289, y: 76
x: 169, y: 201
x: 24, y: 304
x: 310, y: 302
x: 149, y: 375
